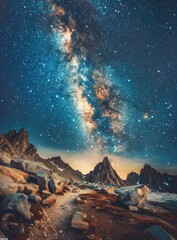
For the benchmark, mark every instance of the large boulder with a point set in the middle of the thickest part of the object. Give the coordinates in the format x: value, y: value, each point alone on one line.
x: 79, y: 221
x: 133, y: 195
x: 49, y: 200
x: 54, y: 186
x: 17, y: 203
x: 16, y: 175
x: 42, y: 180
x: 7, y: 186
x: 31, y: 188
x: 45, y: 194
x: 30, y: 167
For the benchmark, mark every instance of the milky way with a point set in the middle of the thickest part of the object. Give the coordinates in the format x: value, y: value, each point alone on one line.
x: 93, y: 75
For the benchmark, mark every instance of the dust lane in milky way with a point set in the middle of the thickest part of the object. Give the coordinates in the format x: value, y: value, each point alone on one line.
x: 95, y: 99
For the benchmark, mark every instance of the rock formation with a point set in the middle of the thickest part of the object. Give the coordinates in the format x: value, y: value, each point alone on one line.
x: 105, y: 174
x: 153, y: 179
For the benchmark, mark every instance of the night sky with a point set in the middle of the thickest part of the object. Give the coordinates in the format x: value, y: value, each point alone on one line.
x: 92, y: 76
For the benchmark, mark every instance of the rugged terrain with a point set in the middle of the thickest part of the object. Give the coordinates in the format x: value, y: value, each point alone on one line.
x: 154, y: 179
x: 46, y: 198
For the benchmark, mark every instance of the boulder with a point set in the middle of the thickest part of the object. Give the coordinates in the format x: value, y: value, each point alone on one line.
x: 54, y: 187
x: 157, y: 233
x: 34, y: 198
x: 17, y: 203
x: 31, y: 188
x: 42, y: 180
x: 21, y: 187
x: 133, y: 195
x: 78, y: 221
x: 49, y: 200
x: 16, y: 175
x: 30, y: 167
x: 4, y: 160
x: 79, y: 200
x: 45, y: 194
x: 7, y: 185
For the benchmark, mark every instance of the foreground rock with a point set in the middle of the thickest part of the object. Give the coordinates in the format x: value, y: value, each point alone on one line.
x: 42, y: 180
x: 16, y: 175
x: 17, y: 203
x: 133, y: 196
x: 34, y: 198
x: 54, y: 186
x: 30, y: 167
x: 158, y: 233
x: 7, y: 186
x: 49, y: 200
x: 79, y: 221
x: 31, y: 188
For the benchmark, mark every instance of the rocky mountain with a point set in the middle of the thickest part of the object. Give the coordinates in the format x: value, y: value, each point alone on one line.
x: 105, y: 174
x: 15, y: 145
x: 154, y: 179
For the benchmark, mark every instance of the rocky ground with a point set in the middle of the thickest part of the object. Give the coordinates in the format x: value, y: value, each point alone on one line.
x: 46, y: 199
x: 82, y: 211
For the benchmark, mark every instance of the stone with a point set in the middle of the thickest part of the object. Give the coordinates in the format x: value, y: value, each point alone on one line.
x: 54, y: 187
x: 7, y: 185
x: 79, y: 200
x: 34, y: 198
x: 4, y: 159
x: 133, y: 195
x: 17, y: 203
x: 21, y: 187
x: 45, y: 194
x: 49, y: 200
x: 75, y: 190
x: 31, y: 188
x: 78, y: 221
x: 16, y: 175
x: 30, y: 166
x: 42, y: 180
x: 133, y: 208
x: 157, y: 233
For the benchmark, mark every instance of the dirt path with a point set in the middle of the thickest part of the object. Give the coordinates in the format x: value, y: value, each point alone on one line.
x: 62, y: 211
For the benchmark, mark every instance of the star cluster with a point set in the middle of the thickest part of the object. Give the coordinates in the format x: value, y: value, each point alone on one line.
x: 97, y: 75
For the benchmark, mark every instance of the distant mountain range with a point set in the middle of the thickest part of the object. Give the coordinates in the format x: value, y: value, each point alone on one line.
x: 154, y: 179
x: 15, y: 145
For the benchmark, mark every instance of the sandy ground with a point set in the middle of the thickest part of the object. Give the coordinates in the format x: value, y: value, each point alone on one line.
x: 61, y: 214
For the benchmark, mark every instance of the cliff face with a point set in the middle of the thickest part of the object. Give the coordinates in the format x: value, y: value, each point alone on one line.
x: 154, y: 179
x: 132, y: 179
x: 104, y: 173
x: 17, y: 144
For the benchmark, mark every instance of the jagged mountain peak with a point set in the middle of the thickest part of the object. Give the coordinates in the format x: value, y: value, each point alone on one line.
x: 105, y: 174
